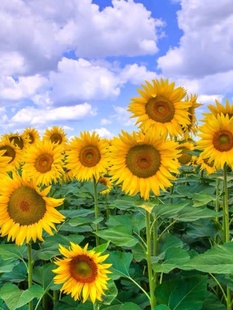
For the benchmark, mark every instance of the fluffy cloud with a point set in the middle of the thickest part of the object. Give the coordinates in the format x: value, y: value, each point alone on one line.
x: 50, y: 28
x: 205, y: 47
x: 35, y: 116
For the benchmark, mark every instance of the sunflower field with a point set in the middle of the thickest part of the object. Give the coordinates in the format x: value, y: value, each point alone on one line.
x: 139, y: 221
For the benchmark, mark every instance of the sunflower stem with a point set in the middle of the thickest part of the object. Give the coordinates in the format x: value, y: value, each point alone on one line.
x: 96, y: 210
x: 151, y: 276
x: 29, y: 269
x: 226, y: 229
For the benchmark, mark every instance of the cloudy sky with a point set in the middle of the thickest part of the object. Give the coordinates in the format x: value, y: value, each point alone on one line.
x: 77, y: 63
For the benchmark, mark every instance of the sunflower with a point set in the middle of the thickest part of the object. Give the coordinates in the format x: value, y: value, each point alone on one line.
x: 55, y: 135
x: 13, y: 151
x: 192, y: 127
x: 217, y: 140
x: 205, y: 165
x: 143, y: 162
x: 226, y: 109
x: 82, y: 272
x: 32, y: 134
x: 43, y: 162
x: 4, y: 161
x: 20, y: 141
x: 87, y: 156
x: 26, y: 211
x: 106, y: 181
x: 186, y: 148
x: 161, y: 108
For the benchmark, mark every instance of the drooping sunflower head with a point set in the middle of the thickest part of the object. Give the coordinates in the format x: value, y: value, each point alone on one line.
x: 205, y: 164
x: 191, y: 128
x: 43, y: 162
x: 26, y: 211
x: 161, y: 107
x: 143, y: 162
x: 82, y: 273
x: 87, y: 156
x: 55, y: 135
x: 217, y: 140
x: 106, y: 181
x: 219, y: 108
x: 32, y: 134
x: 17, y: 139
x: 185, y: 147
x: 12, y: 151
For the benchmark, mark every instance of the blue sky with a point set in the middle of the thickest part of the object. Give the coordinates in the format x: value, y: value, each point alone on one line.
x: 77, y: 63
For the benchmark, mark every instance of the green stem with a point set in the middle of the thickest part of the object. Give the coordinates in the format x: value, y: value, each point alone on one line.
x: 151, y: 277
x: 226, y: 228
x: 29, y: 269
x: 96, y: 207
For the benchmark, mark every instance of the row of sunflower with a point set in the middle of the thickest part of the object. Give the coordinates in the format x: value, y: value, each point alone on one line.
x: 141, y: 221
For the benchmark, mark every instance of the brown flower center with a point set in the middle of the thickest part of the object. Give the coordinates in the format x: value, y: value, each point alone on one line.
x: 43, y: 163
x: 143, y: 160
x: 89, y: 156
x: 223, y: 140
x: 160, y: 109
x: 26, y: 206
x: 185, y: 157
x: 83, y: 269
x: 9, y: 152
x: 17, y: 141
x: 56, y: 138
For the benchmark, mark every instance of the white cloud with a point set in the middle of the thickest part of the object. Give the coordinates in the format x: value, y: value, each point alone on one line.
x: 80, y: 80
x: 206, y: 45
x: 103, y: 132
x: 34, y: 116
x: 122, y: 116
x: 136, y: 74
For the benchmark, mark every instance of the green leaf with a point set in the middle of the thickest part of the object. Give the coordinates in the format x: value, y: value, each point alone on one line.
x: 111, y: 293
x: 16, y: 298
x: 189, y: 295
x: 218, y: 259
x: 118, y: 235
x: 162, y: 307
x: 202, y: 199
x: 102, y: 247
x: 182, y: 294
x: 169, y: 210
x: 189, y: 214
x: 120, y: 263
x: 129, y: 306
x: 9, y: 251
x: 43, y: 275
x: 174, y: 258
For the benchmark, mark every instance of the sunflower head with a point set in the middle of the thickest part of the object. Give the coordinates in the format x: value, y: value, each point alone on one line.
x: 216, y: 140
x: 143, y: 162
x: 161, y: 107
x: 87, y: 156
x: 32, y: 134
x: 185, y: 148
x: 26, y: 211
x: 12, y: 151
x: 106, y: 181
x: 82, y: 273
x: 219, y: 109
x: 55, y: 135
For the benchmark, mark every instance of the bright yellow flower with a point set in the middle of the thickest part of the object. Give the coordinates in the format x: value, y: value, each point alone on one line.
x: 82, y: 273
x: 161, y: 108
x: 143, y: 162
x: 20, y: 141
x: 185, y: 148
x: 106, y: 181
x: 55, y: 135
x: 32, y: 134
x: 4, y: 162
x: 26, y: 211
x: 43, y: 162
x: 217, y: 140
x: 87, y: 156
x: 13, y: 151
x: 205, y: 165
x: 192, y: 127
x: 219, y: 108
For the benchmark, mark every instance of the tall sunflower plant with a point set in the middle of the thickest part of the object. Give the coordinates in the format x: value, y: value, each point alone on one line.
x: 139, y: 221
